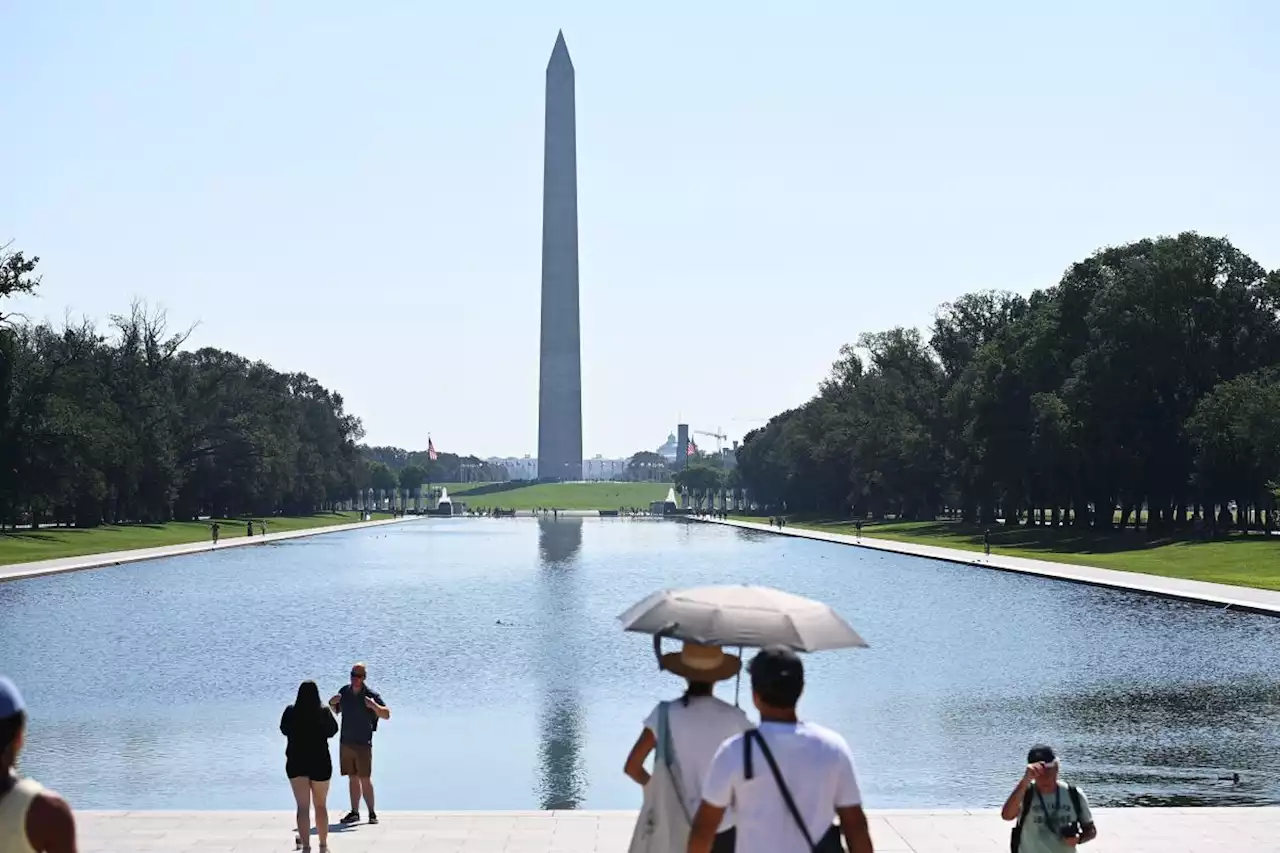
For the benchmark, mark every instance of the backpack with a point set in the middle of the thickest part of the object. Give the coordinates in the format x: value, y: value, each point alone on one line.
x: 1015, y: 837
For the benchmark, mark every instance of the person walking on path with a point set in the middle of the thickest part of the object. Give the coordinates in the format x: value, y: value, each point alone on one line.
x: 986, y: 542
x: 32, y: 818
x: 1047, y: 821
x: 361, y: 708
x: 857, y: 529
x: 693, y: 727
x: 213, y: 530
x: 248, y: 529
x: 308, y: 725
x: 787, y: 779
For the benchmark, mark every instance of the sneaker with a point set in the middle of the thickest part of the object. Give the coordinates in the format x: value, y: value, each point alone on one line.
x: 353, y: 817
x: 373, y: 818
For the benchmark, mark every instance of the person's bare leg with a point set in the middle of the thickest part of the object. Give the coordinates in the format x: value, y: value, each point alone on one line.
x: 367, y: 784
x: 301, y: 786
x: 353, y: 784
x: 320, y: 801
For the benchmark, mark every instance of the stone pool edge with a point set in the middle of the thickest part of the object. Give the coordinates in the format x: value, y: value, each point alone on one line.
x: 1225, y: 596
x: 1133, y: 830
x: 60, y: 565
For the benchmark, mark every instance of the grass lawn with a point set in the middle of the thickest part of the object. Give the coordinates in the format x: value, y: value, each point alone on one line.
x: 567, y: 496
x: 1241, y: 560
x: 50, y: 543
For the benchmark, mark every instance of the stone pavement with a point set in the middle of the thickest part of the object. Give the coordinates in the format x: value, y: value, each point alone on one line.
x: 1265, y: 601
x: 1154, y: 830
x: 17, y: 571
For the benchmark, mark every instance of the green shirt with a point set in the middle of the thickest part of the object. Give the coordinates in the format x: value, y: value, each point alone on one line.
x: 1042, y: 836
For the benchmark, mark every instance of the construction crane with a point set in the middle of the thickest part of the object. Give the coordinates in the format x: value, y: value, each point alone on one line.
x: 718, y: 435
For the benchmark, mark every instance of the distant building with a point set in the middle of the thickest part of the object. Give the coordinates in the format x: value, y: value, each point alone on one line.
x: 596, y: 468
x: 668, y: 449
x: 518, y: 468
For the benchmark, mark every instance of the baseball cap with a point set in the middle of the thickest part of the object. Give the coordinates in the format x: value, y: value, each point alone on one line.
x: 10, y: 699
x: 1041, y: 753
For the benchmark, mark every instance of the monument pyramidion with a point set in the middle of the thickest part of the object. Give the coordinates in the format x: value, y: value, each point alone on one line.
x: 560, y: 365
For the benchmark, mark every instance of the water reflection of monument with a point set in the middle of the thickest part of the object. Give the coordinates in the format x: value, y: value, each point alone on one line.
x: 561, y: 778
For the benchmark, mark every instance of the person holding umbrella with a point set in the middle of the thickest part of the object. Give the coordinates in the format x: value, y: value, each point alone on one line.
x: 686, y: 734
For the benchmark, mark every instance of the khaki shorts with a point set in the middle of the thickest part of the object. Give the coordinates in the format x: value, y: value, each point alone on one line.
x: 355, y: 760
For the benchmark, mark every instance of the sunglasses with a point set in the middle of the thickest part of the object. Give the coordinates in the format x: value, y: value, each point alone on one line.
x: 357, y: 675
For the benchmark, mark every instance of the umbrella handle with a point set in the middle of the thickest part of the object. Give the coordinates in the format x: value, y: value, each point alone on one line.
x: 657, y: 649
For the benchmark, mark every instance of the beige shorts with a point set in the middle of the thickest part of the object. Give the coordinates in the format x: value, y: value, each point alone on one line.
x: 355, y: 760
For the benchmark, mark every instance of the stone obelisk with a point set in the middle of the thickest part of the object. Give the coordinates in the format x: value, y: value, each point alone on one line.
x: 560, y: 368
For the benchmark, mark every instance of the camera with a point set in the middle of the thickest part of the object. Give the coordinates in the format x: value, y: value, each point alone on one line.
x: 1071, y: 830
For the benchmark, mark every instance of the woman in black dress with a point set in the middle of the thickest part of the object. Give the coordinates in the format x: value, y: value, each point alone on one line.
x: 308, y: 724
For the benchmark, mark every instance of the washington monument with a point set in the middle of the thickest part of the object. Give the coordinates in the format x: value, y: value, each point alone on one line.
x: 560, y: 368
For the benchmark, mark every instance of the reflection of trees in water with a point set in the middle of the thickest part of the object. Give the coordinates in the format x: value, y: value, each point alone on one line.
x: 562, y: 780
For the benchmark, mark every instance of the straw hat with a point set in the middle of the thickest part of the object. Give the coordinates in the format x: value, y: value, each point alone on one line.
x: 697, y: 662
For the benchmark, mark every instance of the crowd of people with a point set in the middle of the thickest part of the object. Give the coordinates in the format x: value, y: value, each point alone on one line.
x: 718, y: 784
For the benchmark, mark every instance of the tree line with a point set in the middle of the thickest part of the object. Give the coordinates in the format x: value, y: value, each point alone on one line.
x: 393, y: 468
x: 123, y: 425
x: 1143, y: 388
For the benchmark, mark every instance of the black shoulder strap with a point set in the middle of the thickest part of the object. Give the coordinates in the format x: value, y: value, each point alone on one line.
x: 777, y: 777
x: 1022, y: 815
x: 1075, y: 800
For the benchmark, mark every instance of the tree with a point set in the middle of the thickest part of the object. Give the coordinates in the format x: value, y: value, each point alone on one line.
x: 17, y: 275
x: 411, y: 478
x: 1235, y: 434
x: 647, y: 465
x: 382, y: 477
x: 1050, y: 409
x: 700, y: 481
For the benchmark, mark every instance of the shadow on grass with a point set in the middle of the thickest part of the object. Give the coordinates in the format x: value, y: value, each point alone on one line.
x: 1035, y: 539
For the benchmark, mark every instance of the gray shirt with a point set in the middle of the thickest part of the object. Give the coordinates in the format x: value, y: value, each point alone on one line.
x: 358, y: 721
x: 1040, y: 828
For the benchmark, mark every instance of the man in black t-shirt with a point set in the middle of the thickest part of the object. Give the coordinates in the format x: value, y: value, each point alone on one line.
x: 360, y: 708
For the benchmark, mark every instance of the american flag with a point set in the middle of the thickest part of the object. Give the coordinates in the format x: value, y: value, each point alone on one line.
x: 691, y: 449
x: 431, y: 450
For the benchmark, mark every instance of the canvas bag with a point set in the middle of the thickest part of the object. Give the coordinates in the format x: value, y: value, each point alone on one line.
x: 664, y: 824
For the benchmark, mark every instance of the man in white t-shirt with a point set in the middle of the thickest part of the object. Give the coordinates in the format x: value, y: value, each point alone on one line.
x: 814, y: 764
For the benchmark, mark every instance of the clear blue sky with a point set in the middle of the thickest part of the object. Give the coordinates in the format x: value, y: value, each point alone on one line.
x: 330, y: 186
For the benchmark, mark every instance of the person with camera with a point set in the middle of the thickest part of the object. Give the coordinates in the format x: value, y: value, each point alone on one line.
x: 361, y: 708
x: 1052, y: 816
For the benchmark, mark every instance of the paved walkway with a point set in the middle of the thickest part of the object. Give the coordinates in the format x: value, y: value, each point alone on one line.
x: 1206, y: 830
x: 17, y: 571
x: 1264, y: 601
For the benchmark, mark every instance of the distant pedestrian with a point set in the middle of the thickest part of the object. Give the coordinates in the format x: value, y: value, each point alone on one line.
x: 1047, y: 822
x: 248, y: 528
x: 986, y: 542
x: 213, y: 528
x: 787, y: 780
x: 263, y: 524
x: 33, y: 819
x: 361, y: 708
x: 857, y: 529
x: 308, y: 725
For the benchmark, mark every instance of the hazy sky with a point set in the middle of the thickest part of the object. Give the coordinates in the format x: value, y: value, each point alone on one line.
x: 354, y: 190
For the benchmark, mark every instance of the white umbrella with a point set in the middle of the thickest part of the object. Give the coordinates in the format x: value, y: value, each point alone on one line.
x: 742, y: 616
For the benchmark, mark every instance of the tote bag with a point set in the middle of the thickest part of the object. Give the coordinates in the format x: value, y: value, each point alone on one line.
x: 663, y: 825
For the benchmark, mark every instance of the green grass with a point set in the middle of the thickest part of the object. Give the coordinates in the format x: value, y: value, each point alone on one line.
x: 50, y: 543
x: 567, y: 496
x: 1240, y: 560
